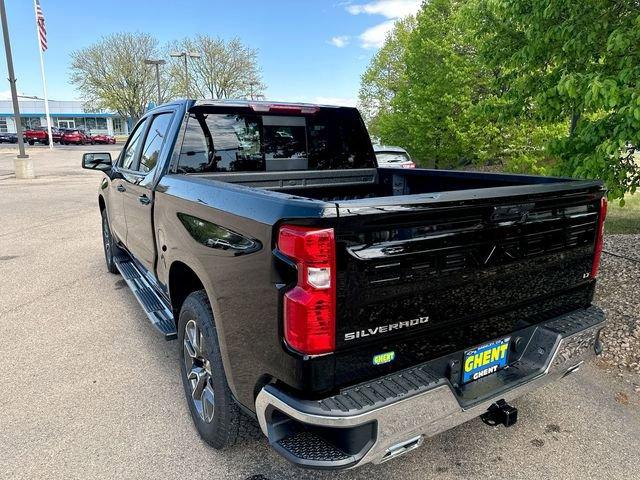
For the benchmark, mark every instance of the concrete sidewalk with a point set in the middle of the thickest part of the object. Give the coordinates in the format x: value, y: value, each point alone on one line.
x: 89, y: 390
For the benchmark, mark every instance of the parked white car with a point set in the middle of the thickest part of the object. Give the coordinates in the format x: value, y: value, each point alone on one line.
x: 393, y: 157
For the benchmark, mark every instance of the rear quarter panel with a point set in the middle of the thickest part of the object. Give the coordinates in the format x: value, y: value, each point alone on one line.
x: 242, y: 288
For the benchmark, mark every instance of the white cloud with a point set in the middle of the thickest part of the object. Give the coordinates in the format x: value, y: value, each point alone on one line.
x: 393, y: 10
x: 386, y: 8
x: 374, y: 37
x: 339, y: 41
x: 340, y: 101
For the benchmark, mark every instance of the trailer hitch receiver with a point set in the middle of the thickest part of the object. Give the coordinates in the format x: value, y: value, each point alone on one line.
x: 500, y: 413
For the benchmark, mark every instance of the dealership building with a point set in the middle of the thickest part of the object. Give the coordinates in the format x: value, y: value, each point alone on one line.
x: 64, y: 114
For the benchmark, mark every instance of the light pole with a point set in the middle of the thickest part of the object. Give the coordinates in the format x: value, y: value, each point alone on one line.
x: 185, y: 55
x: 157, y: 63
x: 23, y: 164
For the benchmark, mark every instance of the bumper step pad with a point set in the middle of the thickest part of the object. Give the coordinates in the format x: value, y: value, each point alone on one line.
x: 309, y: 446
x: 381, y: 392
x: 157, y: 310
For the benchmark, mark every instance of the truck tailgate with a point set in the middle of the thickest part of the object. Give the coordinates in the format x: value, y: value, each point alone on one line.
x: 424, y: 276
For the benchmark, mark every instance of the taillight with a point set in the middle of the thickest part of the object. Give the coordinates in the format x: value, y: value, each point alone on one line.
x: 599, y: 238
x: 310, y: 307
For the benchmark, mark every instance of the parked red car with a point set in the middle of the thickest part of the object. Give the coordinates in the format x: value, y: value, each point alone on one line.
x: 76, y: 136
x: 102, y: 138
x: 41, y: 135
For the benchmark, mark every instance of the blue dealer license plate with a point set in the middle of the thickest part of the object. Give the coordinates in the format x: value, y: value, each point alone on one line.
x: 485, y: 360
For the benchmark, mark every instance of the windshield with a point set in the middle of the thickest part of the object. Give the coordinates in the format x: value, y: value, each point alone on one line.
x: 253, y: 142
x: 392, y: 157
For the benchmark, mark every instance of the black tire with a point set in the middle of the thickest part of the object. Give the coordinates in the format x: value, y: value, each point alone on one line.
x: 31, y: 142
x: 109, y: 245
x: 216, y: 415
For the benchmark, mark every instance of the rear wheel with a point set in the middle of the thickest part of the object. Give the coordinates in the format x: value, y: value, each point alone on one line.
x: 111, y: 250
x: 216, y: 415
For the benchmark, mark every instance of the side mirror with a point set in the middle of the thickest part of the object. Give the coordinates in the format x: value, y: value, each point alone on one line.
x: 97, y: 161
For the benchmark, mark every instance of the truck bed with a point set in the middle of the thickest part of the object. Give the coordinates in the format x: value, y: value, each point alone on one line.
x: 336, y: 185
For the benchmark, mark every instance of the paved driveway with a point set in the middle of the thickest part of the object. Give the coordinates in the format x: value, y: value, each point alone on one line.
x: 88, y: 390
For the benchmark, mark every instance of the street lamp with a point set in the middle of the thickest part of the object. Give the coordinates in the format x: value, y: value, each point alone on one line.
x: 186, y: 55
x: 157, y: 63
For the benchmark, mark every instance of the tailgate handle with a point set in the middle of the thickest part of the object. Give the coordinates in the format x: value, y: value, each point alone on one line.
x: 511, y: 213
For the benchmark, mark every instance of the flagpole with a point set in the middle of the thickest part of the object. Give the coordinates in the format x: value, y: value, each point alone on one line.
x: 44, y: 83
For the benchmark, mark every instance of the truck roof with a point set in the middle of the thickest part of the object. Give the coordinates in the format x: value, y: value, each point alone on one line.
x: 249, y: 103
x: 257, y: 105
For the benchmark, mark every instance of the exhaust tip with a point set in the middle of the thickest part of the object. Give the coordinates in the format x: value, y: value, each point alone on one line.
x: 401, y: 448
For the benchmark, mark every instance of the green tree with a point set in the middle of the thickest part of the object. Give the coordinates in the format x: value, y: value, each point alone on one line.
x: 428, y: 90
x: 225, y: 69
x: 385, y: 76
x: 579, y: 63
x: 541, y: 85
x: 111, y: 74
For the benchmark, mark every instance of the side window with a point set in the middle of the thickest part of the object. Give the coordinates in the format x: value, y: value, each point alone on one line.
x: 153, y: 143
x: 128, y: 156
x: 196, y: 152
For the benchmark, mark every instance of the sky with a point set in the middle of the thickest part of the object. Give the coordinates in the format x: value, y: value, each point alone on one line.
x: 308, y: 50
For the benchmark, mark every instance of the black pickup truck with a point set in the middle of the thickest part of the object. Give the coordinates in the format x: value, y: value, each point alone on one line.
x: 350, y: 311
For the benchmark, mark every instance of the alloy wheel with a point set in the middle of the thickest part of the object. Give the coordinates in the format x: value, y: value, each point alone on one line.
x: 198, y: 371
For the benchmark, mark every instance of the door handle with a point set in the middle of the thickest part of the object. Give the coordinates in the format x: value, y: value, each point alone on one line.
x: 144, y: 200
x: 121, y: 188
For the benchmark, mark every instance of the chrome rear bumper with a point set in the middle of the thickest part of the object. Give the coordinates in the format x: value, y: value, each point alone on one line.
x: 316, y: 435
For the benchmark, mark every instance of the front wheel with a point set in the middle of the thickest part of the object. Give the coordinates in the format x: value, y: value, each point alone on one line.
x: 111, y: 250
x: 215, y: 413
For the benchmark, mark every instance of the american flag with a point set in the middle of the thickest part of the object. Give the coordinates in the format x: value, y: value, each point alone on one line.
x: 42, y: 30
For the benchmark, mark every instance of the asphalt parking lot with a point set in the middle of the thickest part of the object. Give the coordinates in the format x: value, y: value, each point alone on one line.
x: 89, y: 390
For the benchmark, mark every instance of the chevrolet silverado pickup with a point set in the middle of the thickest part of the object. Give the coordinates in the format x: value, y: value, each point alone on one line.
x: 347, y: 310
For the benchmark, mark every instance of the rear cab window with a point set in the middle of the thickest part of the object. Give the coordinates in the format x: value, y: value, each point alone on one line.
x: 224, y: 139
